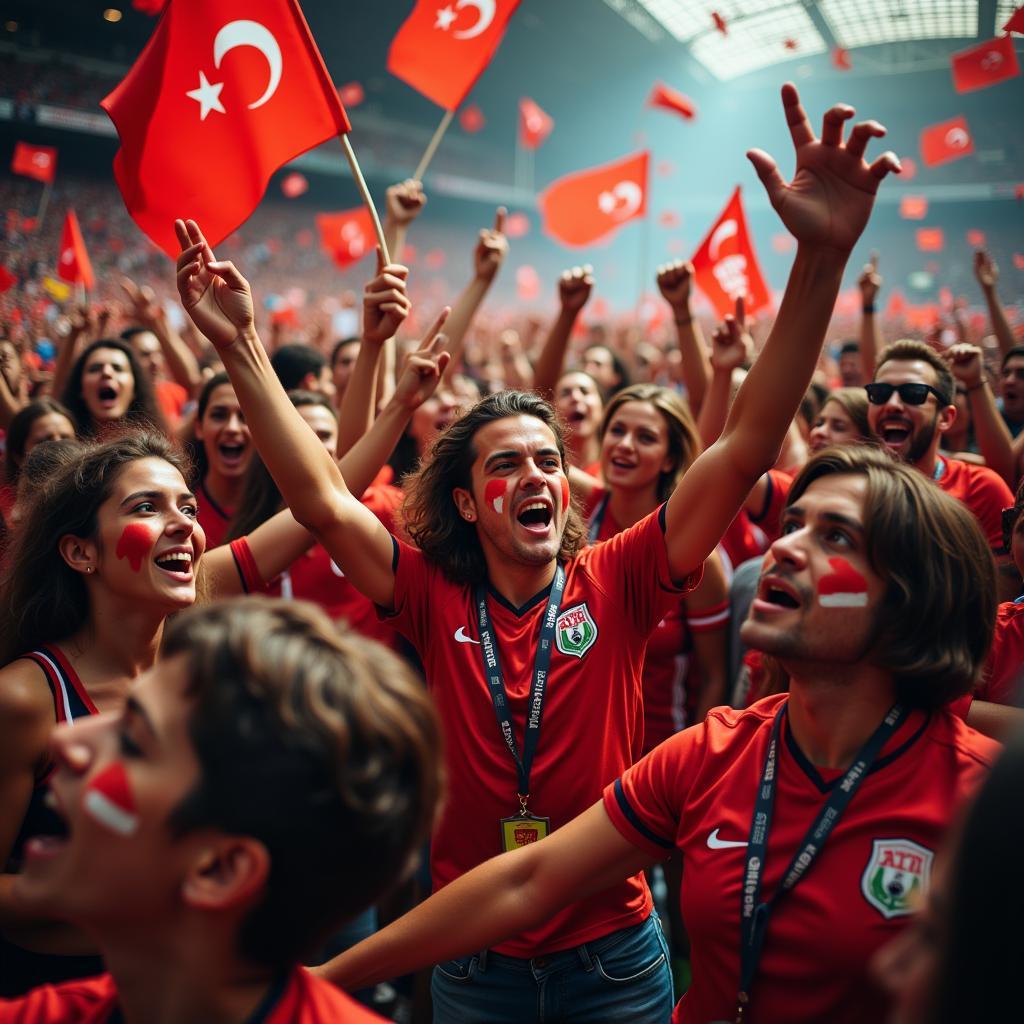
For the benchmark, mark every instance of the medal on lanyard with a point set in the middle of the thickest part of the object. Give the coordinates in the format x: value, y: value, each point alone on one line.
x: 523, y: 828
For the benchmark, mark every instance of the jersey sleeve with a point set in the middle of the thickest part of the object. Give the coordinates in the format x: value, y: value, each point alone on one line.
x: 989, y: 496
x: 245, y: 563
x: 415, y: 590
x: 89, y: 1001
x: 776, y: 496
x: 1004, y: 669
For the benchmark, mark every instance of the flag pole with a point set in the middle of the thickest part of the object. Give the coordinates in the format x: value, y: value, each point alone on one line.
x: 431, y: 149
x: 367, y: 198
x: 43, y: 201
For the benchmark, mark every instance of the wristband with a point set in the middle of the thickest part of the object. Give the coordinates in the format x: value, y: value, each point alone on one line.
x: 868, y: 307
x: 981, y: 383
x: 684, y: 321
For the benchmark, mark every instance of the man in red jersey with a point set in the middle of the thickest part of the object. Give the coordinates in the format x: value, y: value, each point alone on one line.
x: 515, y: 624
x: 809, y: 822
x: 268, y: 778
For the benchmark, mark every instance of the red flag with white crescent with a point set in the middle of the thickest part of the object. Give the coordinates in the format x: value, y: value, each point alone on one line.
x: 726, y: 266
x: 347, y: 236
x: 73, y: 262
x: 39, y: 162
x: 985, y: 64
x: 534, y: 124
x: 946, y: 141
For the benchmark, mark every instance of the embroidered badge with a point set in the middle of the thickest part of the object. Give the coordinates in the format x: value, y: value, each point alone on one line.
x: 896, y: 876
x: 575, y: 631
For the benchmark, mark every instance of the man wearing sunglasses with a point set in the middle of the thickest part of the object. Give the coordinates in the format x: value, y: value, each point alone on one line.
x: 910, y: 408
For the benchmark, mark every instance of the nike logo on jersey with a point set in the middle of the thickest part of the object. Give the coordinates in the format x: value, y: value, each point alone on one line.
x: 460, y: 635
x: 714, y: 843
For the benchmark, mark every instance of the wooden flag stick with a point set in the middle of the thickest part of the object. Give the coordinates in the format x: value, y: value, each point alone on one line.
x: 44, y: 199
x: 367, y: 198
x: 428, y: 153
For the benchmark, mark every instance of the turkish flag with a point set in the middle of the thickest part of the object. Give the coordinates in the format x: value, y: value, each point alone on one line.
x: 930, y: 239
x: 667, y: 98
x: 1016, y: 22
x: 726, y: 266
x: 225, y: 92
x: 534, y: 125
x: 39, y: 162
x: 983, y: 65
x: 590, y: 205
x: 7, y: 279
x: 946, y: 141
x: 73, y: 261
x: 347, y: 236
x: 841, y: 59
x: 442, y: 48
x: 913, y: 207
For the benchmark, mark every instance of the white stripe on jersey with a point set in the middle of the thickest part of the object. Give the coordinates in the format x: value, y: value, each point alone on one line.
x: 65, y: 700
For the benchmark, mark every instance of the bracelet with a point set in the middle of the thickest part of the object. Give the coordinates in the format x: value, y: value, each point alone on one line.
x: 685, y: 322
x: 868, y: 307
x: 981, y: 383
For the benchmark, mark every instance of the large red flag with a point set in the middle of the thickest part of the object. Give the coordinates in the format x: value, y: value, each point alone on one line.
x: 73, y: 261
x: 39, y: 162
x: 347, y: 236
x: 1016, y: 22
x: 725, y: 265
x: 589, y: 205
x: 983, y: 65
x: 667, y: 98
x: 948, y: 140
x: 443, y: 47
x: 225, y: 92
x: 534, y: 124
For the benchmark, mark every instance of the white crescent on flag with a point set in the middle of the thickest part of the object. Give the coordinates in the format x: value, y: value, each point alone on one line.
x: 727, y: 229
x: 485, y: 15
x: 251, y: 33
x: 622, y: 201
x: 956, y: 138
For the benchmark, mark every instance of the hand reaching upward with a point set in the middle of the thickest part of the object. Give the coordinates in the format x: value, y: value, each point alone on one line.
x: 829, y: 200
x: 424, y: 368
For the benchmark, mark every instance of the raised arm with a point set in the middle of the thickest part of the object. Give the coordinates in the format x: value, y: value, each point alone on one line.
x: 148, y: 312
x: 675, y: 284
x: 403, y: 203
x: 218, y: 299
x: 871, y: 342
x: 574, y: 288
x: 730, y: 349
x: 825, y: 207
x: 987, y: 273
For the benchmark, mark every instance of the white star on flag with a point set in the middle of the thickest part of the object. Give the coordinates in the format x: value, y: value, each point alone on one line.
x: 207, y: 96
x: 445, y: 18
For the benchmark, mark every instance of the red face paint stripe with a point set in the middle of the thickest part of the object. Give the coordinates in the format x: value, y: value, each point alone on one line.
x: 135, y: 544
x: 108, y: 799
x: 494, y: 494
x: 844, y: 587
x: 565, y: 493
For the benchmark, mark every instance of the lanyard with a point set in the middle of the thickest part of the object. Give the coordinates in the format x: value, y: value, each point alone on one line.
x: 753, y: 913
x: 538, y: 687
x: 940, y: 469
x: 597, y: 518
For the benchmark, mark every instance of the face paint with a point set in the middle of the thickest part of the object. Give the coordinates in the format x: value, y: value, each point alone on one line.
x: 135, y: 542
x: 108, y: 799
x: 844, y: 587
x: 565, y: 493
x: 494, y: 494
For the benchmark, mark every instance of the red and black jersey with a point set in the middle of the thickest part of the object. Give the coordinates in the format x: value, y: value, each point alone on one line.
x: 982, y: 490
x: 1004, y: 670
x: 212, y: 518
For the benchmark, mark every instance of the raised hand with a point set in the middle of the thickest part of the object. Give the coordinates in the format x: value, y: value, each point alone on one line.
x: 491, y: 249
x: 404, y: 201
x: 985, y: 269
x: 829, y: 200
x: 870, y: 281
x: 674, y: 282
x: 145, y: 309
x: 385, y: 302
x: 730, y: 343
x: 967, y: 364
x: 574, y: 288
x: 212, y: 291
x: 423, y: 368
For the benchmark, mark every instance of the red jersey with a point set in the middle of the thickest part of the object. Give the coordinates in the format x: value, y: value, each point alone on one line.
x: 301, y: 998
x: 750, y: 535
x: 1004, y: 670
x: 615, y: 595
x: 212, y: 518
x: 172, y: 398
x: 982, y: 490
x: 697, y: 791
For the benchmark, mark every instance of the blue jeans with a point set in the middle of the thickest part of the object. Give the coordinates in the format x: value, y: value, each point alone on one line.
x: 623, y: 976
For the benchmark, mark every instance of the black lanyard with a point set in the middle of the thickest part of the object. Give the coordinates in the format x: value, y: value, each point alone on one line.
x: 597, y: 518
x: 753, y: 913
x: 538, y: 688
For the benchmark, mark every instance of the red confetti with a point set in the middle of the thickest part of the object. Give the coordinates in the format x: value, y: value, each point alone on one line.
x: 351, y: 94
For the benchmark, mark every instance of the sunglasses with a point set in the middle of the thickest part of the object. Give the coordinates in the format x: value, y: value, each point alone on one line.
x: 910, y: 394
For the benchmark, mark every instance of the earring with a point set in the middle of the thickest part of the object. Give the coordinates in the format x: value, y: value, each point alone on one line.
x: 88, y: 568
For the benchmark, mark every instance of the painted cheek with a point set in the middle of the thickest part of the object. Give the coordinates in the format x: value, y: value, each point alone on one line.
x: 565, y: 493
x: 109, y: 800
x: 135, y: 544
x: 494, y: 494
x: 844, y: 587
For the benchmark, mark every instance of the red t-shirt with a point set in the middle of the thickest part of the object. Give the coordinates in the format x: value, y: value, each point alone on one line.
x: 171, y: 397
x: 747, y: 535
x: 305, y: 999
x: 697, y: 791
x: 1004, y: 670
x: 592, y: 727
x: 983, y: 491
x: 212, y: 518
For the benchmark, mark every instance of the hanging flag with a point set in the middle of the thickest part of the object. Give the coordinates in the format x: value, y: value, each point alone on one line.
x: 294, y: 185
x: 841, y: 59
x: 946, y: 141
x: 983, y: 65
x: 913, y: 207
x: 930, y: 239
x: 225, y: 92
x: 719, y: 23
x: 72, y: 259
x: 39, y: 162
x: 590, y: 205
x: 725, y: 266
x: 472, y: 119
x: 347, y: 236
x: 667, y: 98
x: 442, y: 49
x: 534, y: 125
x: 1016, y: 22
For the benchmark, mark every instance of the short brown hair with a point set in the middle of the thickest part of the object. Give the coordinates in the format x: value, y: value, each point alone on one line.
x: 907, y: 350
x: 854, y: 402
x: 319, y: 743
x: 935, y: 624
x: 431, y: 518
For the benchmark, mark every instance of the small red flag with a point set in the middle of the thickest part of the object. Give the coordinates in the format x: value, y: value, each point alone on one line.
x: 346, y: 236
x: 517, y: 225
x: 930, y: 239
x: 719, y: 23
x: 790, y: 44
x: 1018, y: 260
x: 841, y: 59
x: 225, y: 92
x: 667, y: 98
x: 472, y: 119
x: 73, y: 261
x: 1016, y: 22
x: 442, y: 50
x: 351, y: 94
x: 590, y: 205
x: 39, y: 162
x: 7, y: 280
x: 294, y: 185
x: 534, y: 124
x: 913, y: 207
x: 946, y: 141
x: 983, y: 65
x: 976, y: 238
x: 726, y: 266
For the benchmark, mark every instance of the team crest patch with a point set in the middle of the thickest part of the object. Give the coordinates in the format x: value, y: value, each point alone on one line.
x: 896, y: 877
x: 575, y: 630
